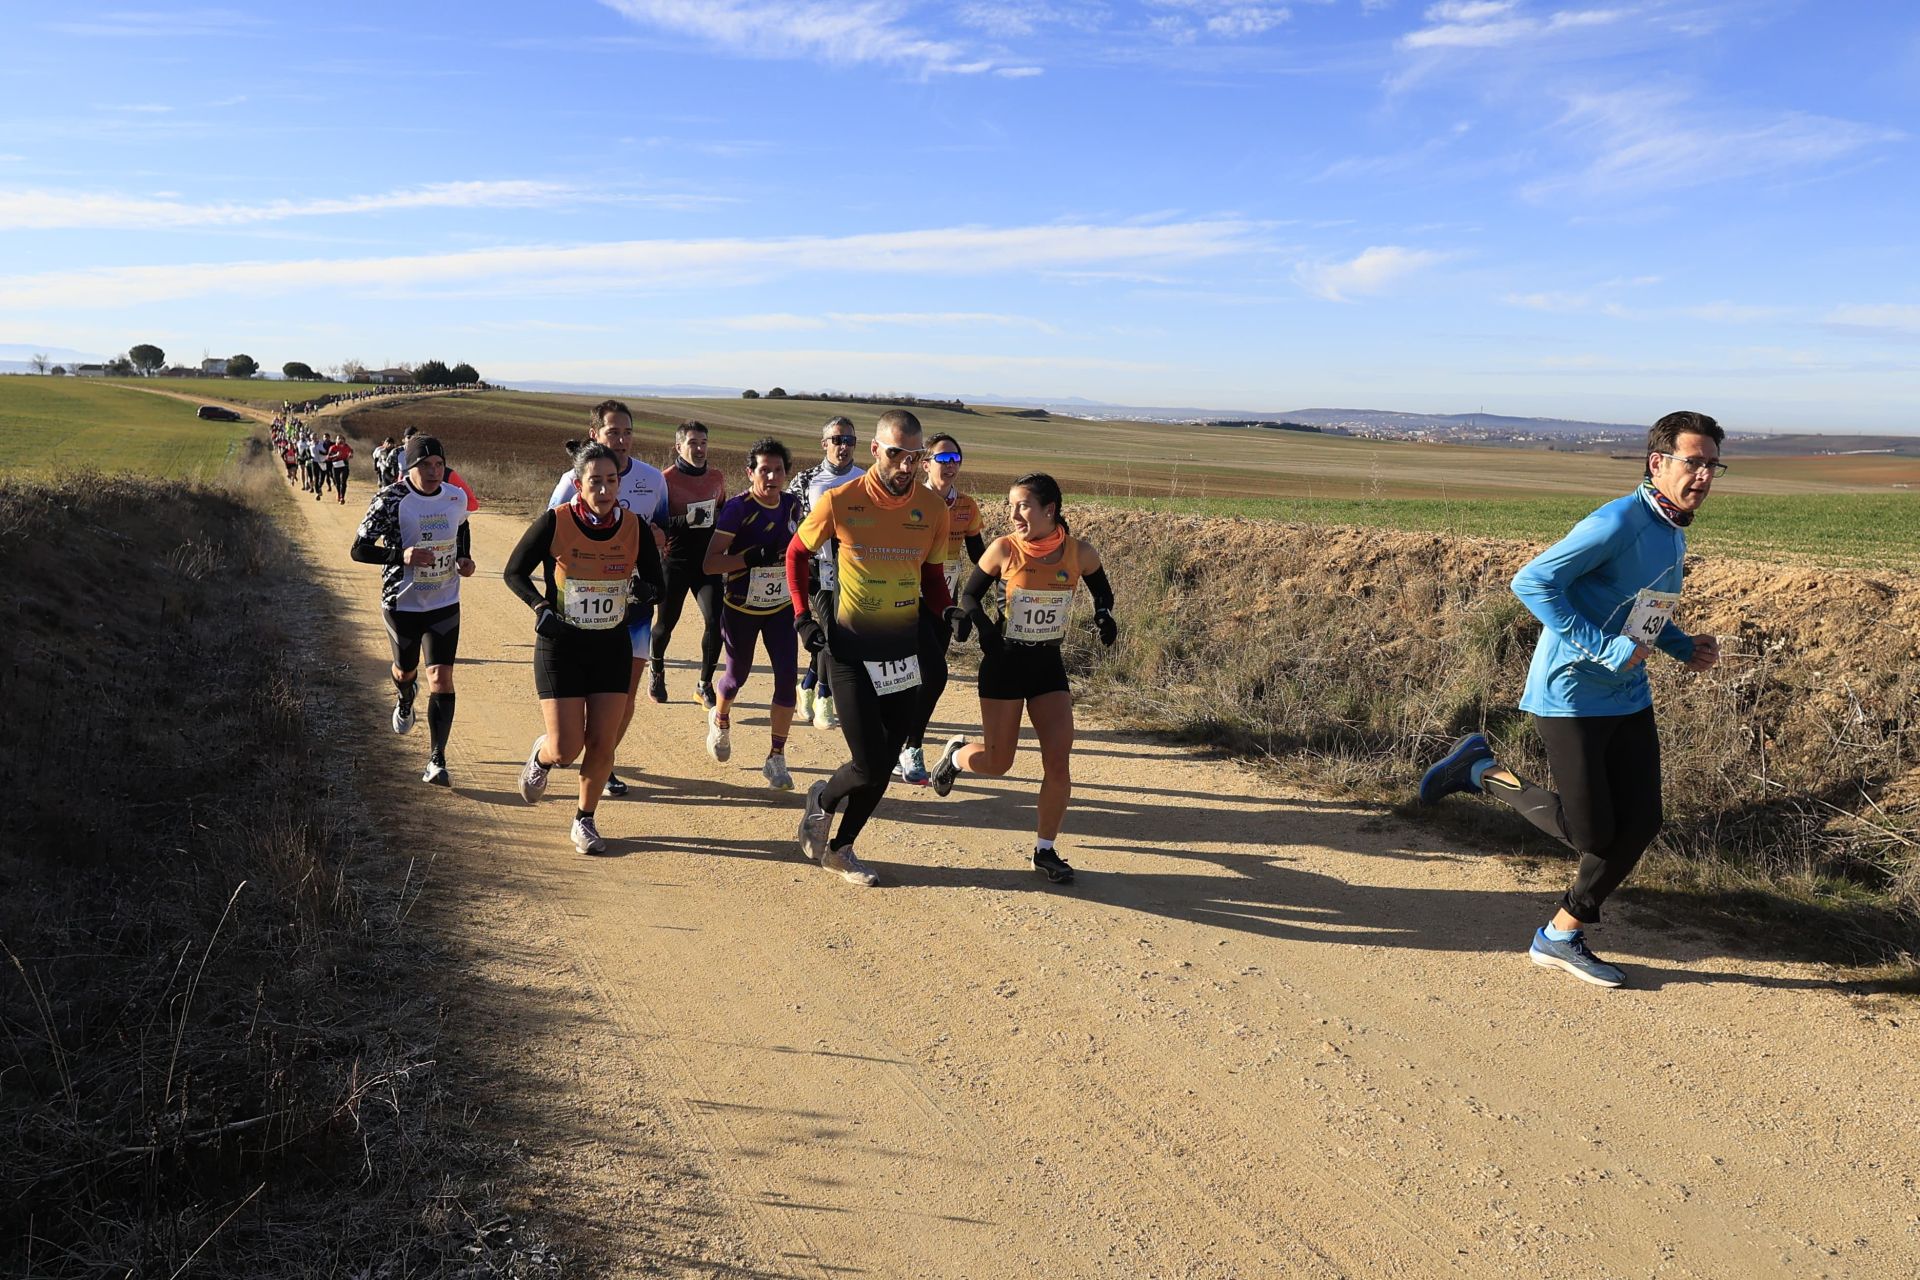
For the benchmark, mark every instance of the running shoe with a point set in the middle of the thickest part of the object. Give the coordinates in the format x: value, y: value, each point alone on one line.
x: 775, y: 772
x: 1454, y: 771
x: 704, y: 691
x: 614, y: 788
x: 533, y: 778
x: 1051, y: 865
x: 814, y: 823
x: 437, y: 773
x: 719, y: 740
x: 1576, y: 958
x: 823, y: 717
x: 803, y: 708
x: 912, y: 767
x: 586, y: 836
x: 851, y: 869
x: 657, y: 684
x: 402, y: 714
x: 946, y: 771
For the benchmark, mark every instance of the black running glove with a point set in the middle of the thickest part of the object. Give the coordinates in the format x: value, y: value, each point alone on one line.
x: 1109, y: 629
x: 761, y: 557
x: 645, y: 594
x: 812, y: 638
x: 958, y: 623
x: 548, y: 623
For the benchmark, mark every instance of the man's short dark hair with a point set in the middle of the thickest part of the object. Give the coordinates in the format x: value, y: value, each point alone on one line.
x: 605, y: 410
x: 1666, y: 433
x: 687, y: 428
x: 900, y: 420
x: 769, y: 448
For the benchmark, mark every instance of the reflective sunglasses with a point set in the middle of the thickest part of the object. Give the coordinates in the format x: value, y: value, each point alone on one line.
x: 847, y: 441
x: 947, y: 457
x: 894, y: 453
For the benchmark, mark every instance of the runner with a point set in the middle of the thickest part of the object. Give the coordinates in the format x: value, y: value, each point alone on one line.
x: 888, y: 539
x: 318, y: 466
x: 1605, y: 596
x: 749, y: 545
x: 694, y: 495
x: 338, y: 456
x: 601, y: 573
x: 1040, y: 562
x: 835, y: 468
x: 963, y: 536
x: 643, y: 491
x: 417, y: 528
x: 290, y: 454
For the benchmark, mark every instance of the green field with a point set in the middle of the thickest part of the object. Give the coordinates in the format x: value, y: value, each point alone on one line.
x: 254, y: 391
x: 53, y: 424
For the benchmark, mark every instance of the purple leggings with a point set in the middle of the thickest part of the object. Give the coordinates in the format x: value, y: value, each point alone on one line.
x: 738, y: 633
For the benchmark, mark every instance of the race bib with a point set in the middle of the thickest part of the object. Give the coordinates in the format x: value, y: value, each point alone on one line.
x: 700, y: 514
x: 895, y: 675
x: 594, y: 605
x: 953, y: 568
x: 1037, y: 617
x: 440, y: 571
x: 767, y: 587
x: 1652, y: 610
x: 829, y: 562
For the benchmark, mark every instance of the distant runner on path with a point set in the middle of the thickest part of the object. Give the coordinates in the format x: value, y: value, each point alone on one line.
x: 749, y: 547
x: 835, y: 468
x: 599, y: 572
x: 1605, y: 596
x: 643, y: 491
x: 1021, y: 668
x: 889, y: 540
x: 694, y: 494
x: 417, y: 528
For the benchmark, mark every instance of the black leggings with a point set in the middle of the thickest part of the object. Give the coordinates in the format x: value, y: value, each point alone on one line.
x: 875, y: 730
x: 1608, y: 807
x: 683, y: 578
x: 933, y: 676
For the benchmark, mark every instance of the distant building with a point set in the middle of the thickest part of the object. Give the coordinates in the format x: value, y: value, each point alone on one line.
x: 89, y: 371
x: 390, y: 377
x: 214, y: 367
x: 181, y: 371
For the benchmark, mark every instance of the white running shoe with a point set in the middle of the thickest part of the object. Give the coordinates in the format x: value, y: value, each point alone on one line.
x: 851, y: 869
x: 533, y: 778
x: 586, y: 836
x: 814, y: 823
x: 803, y: 708
x: 912, y: 768
x: 775, y: 772
x: 402, y: 716
x: 437, y: 774
x: 823, y: 717
x: 719, y: 739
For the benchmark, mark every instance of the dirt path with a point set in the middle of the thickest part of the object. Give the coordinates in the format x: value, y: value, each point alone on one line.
x: 1267, y: 1035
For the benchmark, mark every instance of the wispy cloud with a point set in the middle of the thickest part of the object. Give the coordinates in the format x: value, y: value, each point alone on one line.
x: 845, y: 32
x: 1492, y: 24
x: 148, y: 24
x: 788, y: 322
x: 1645, y: 140
x: 1880, y: 319
x: 1222, y: 19
x: 66, y: 210
x: 650, y: 264
x: 1372, y: 271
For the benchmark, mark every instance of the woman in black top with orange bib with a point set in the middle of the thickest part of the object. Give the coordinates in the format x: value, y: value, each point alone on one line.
x: 600, y: 566
x: 1040, y: 563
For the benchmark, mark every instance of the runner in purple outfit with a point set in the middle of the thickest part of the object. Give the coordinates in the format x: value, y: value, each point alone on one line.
x: 749, y: 547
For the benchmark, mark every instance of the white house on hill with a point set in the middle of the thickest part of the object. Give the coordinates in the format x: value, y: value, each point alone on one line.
x: 214, y: 367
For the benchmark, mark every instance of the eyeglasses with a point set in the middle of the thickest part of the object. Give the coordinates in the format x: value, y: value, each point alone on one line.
x: 894, y: 453
x: 845, y: 442
x: 1713, y: 466
x: 946, y: 458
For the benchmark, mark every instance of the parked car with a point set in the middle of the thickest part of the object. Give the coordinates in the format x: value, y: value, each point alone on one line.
x: 214, y: 413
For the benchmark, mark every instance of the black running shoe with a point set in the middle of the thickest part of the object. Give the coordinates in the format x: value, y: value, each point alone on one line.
x: 1052, y: 866
x: 704, y: 691
x: 657, y: 685
x: 614, y: 787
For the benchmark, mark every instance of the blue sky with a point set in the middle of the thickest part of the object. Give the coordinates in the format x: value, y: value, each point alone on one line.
x: 1601, y: 209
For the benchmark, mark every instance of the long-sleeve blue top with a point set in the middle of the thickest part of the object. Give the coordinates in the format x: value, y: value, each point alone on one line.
x: 1582, y: 589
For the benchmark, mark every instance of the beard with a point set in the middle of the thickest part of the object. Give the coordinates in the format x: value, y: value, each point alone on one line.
x: 897, y: 484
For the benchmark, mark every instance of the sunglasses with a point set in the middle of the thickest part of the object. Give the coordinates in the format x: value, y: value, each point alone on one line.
x: 948, y: 457
x: 894, y: 453
x: 844, y: 441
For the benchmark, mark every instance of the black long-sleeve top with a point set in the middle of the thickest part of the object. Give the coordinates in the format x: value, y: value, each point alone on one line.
x: 535, y: 554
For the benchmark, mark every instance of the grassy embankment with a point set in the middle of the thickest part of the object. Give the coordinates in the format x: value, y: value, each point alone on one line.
x: 55, y: 424
x: 221, y: 1056
x: 1255, y: 617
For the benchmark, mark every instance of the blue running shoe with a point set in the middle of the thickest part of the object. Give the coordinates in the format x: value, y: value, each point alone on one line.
x: 1454, y: 772
x: 1573, y: 956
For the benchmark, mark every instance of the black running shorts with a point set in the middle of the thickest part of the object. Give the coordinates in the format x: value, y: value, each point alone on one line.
x: 582, y: 663
x: 1022, y: 671
x: 435, y: 630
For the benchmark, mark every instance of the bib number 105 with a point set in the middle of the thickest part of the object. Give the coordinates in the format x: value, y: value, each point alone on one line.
x: 1037, y: 617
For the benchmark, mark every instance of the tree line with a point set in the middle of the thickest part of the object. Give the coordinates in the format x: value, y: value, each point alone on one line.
x: 146, y: 360
x: 842, y: 397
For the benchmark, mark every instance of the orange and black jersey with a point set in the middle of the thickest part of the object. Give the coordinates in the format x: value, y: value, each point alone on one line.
x: 881, y: 544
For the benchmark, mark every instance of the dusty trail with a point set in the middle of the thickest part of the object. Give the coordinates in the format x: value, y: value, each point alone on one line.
x: 1266, y: 1035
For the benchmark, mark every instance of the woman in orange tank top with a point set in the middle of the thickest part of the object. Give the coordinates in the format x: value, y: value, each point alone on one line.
x: 1040, y: 563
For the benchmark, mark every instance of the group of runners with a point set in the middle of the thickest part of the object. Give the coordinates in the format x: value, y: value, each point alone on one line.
x: 319, y: 464
x: 856, y: 580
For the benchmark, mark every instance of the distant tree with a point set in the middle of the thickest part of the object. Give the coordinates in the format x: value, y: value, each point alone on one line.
x: 242, y: 366
x: 351, y: 370
x: 432, y: 373
x: 776, y: 393
x: 120, y: 366
x: 58, y: 371
x: 749, y: 394
x: 147, y: 358
x: 39, y: 362
x: 297, y: 371
x: 464, y: 372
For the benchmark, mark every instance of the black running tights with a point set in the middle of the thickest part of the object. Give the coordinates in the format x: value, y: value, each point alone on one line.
x: 933, y: 676
x: 683, y: 579
x: 875, y: 729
